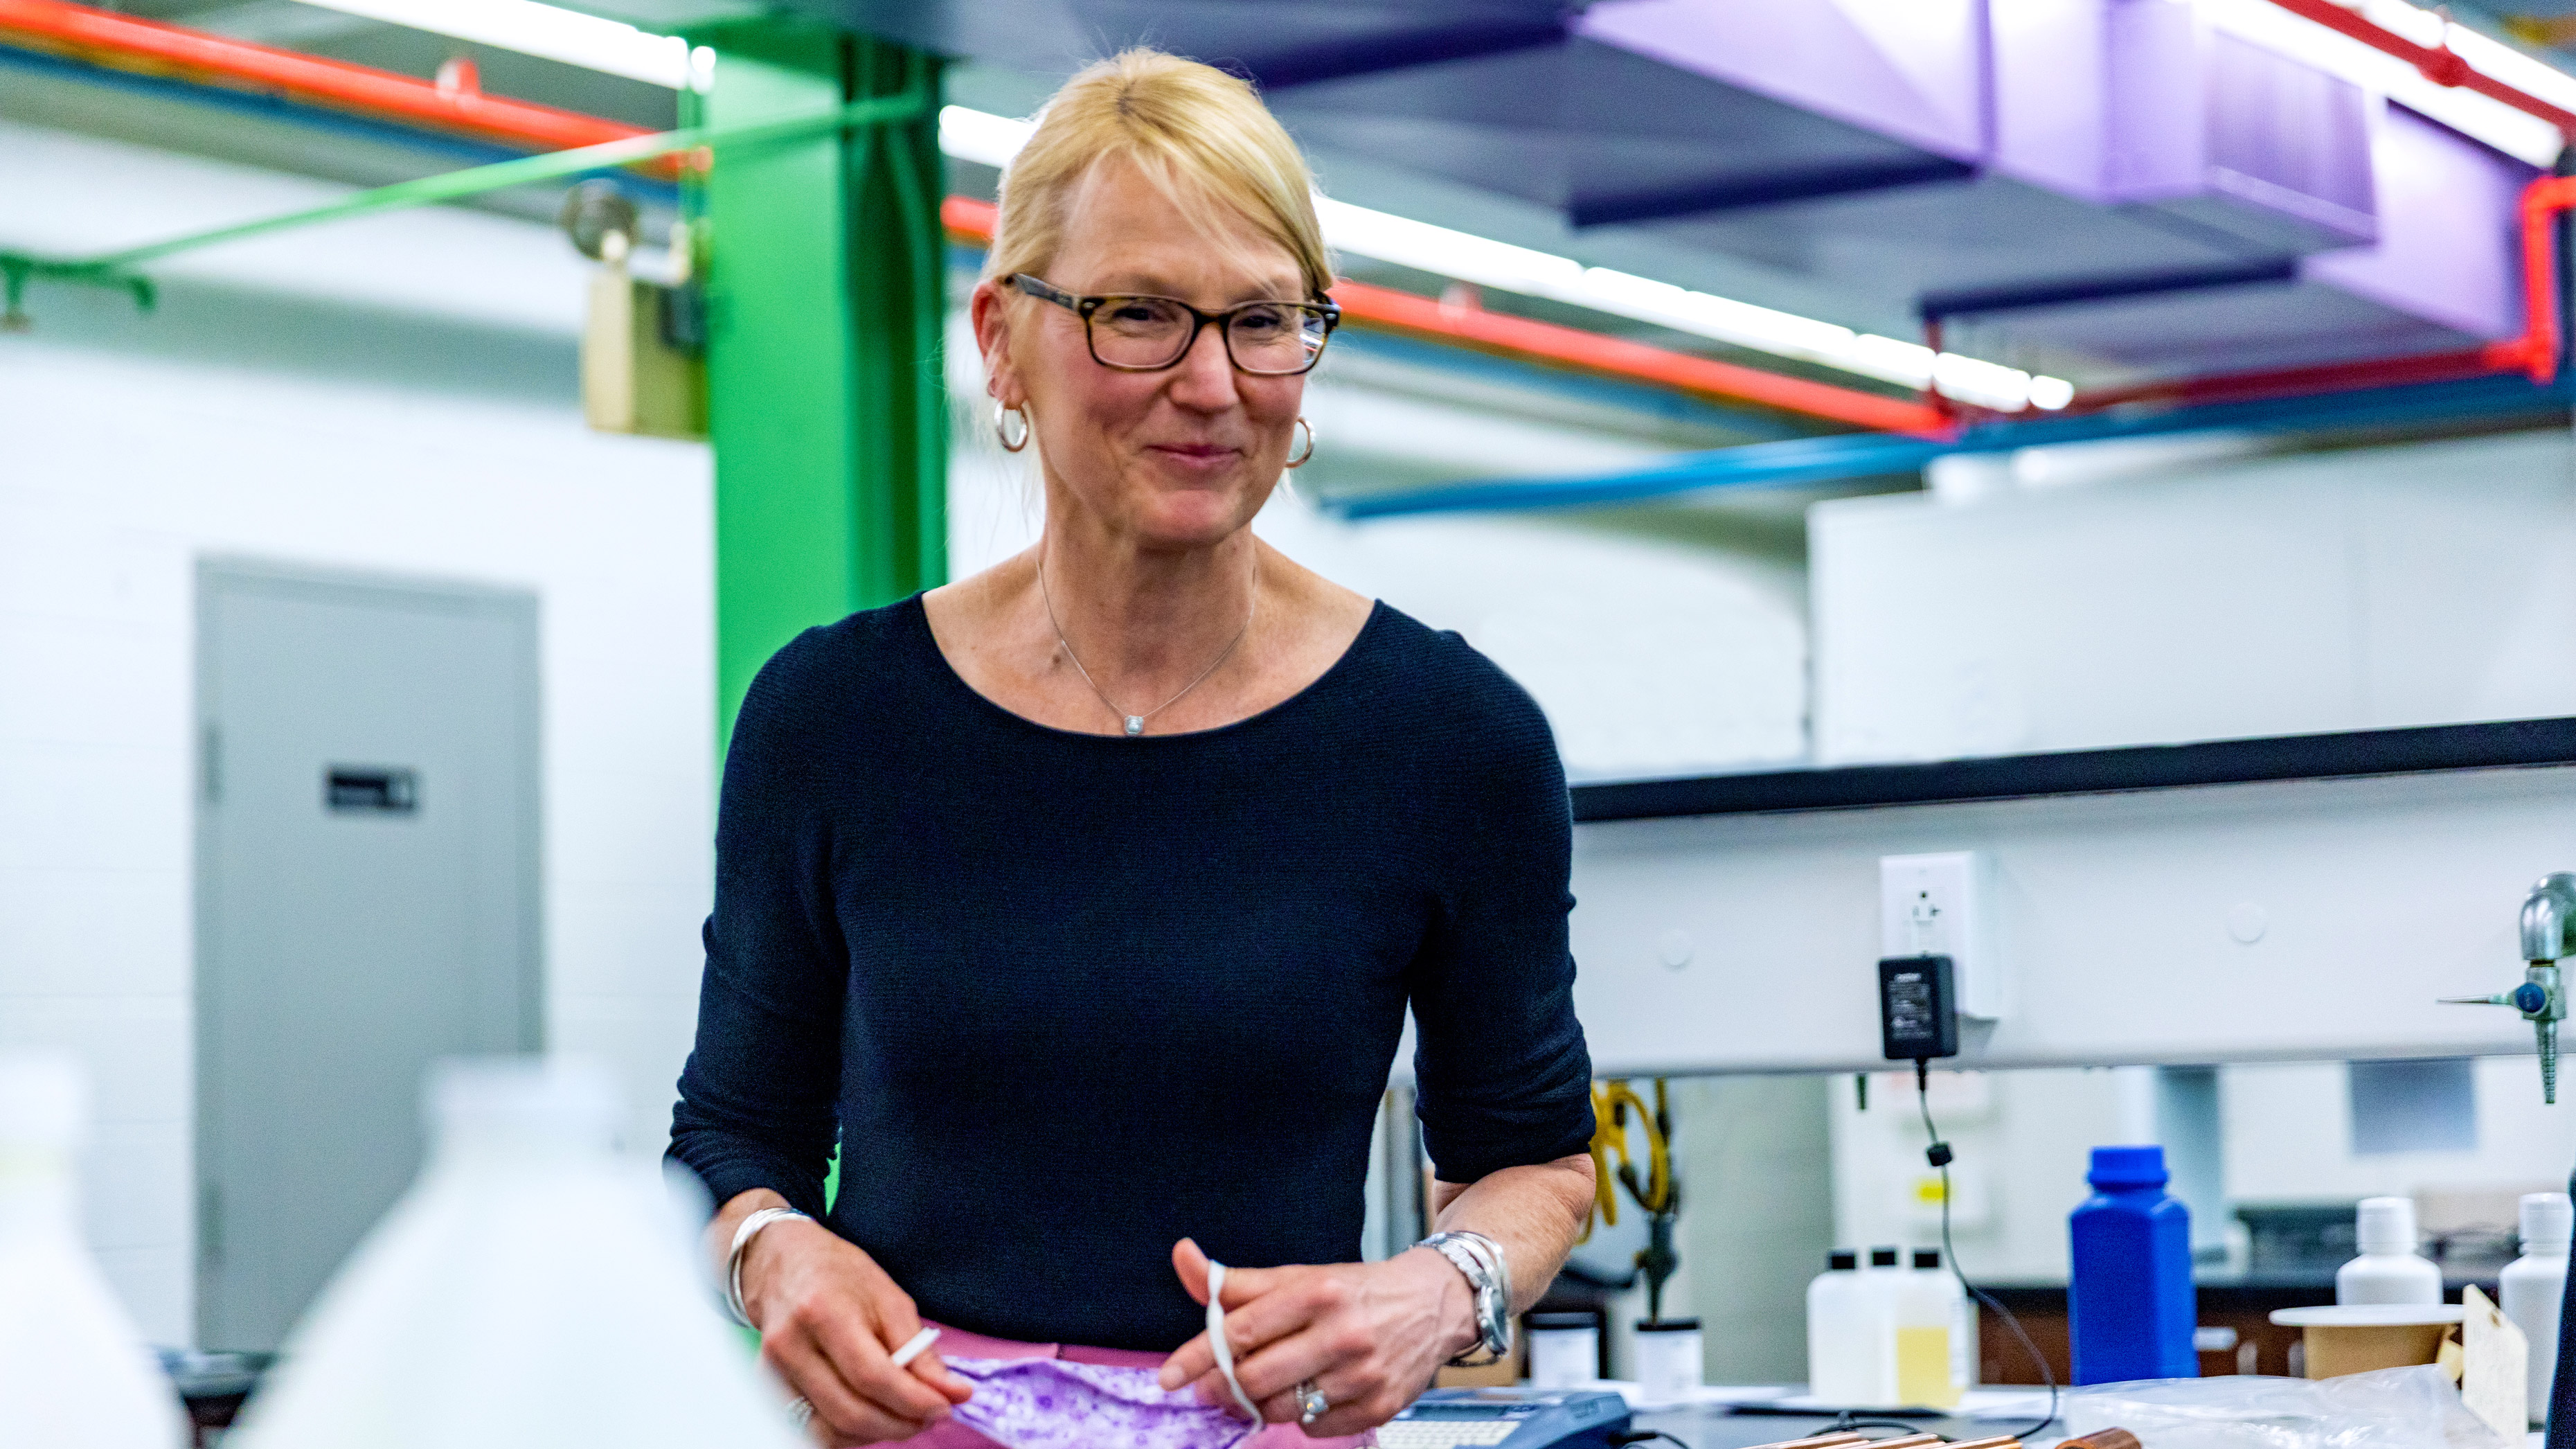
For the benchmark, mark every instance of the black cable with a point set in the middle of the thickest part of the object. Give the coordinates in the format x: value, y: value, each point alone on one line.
x: 1850, y: 1419
x: 1938, y: 1154
x: 1640, y: 1436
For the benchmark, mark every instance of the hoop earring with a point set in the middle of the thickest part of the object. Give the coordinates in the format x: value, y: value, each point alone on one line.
x: 1300, y: 460
x: 1002, y: 431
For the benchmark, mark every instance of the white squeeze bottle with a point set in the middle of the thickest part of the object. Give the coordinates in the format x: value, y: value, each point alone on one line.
x: 1885, y: 1274
x: 2534, y: 1284
x: 73, y: 1370
x: 1927, y: 1326
x: 1850, y: 1348
x: 532, y: 1289
x: 2389, y: 1269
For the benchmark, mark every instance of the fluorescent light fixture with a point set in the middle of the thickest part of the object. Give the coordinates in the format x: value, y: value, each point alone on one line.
x: 547, y: 31
x: 993, y: 140
x: 981, y: 136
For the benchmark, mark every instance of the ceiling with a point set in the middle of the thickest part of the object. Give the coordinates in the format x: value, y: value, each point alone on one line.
x: 1296, y: 32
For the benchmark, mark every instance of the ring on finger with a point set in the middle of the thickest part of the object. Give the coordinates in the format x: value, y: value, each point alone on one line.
x: 1311, y: 1402
x: 801, y: 1412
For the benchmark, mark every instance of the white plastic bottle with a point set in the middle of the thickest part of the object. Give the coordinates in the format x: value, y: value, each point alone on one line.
x: 2533, y: 1286
x: 1885, y: 1273
x: 532, y: 1289
x: 2389, y: 1269
x: 73, y: 1370
x: 1927, y: 1325
x: 1850, y: 1337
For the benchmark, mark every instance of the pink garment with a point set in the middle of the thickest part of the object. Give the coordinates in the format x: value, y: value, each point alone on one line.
x: 958, y: 1344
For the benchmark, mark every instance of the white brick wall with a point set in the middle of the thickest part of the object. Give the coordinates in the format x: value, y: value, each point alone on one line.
x: 410, y: 407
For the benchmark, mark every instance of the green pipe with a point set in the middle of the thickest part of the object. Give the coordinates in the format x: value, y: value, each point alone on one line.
x: 113, y: 269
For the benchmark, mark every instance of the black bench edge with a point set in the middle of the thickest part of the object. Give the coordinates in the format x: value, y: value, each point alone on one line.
x: 2502, y: 744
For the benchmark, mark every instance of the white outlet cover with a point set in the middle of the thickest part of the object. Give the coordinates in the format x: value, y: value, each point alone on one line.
x: 1935, y: 905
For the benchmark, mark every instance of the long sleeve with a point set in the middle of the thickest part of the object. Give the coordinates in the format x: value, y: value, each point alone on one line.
x: 757, y: 1099
x: 1502, y: 1073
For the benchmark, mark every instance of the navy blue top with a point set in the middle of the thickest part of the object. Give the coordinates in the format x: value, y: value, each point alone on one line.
x: 1065, y: 998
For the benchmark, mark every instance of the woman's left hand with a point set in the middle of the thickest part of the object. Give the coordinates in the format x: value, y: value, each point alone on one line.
x: 1369, y: 1335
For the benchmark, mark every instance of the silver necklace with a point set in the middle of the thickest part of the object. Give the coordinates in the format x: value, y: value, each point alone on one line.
x: 1136, y: 722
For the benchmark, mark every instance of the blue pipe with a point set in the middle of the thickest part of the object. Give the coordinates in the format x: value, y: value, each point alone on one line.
x: 1862, y: 455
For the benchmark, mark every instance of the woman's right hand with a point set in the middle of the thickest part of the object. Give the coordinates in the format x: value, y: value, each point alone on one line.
x: 830, y: 1320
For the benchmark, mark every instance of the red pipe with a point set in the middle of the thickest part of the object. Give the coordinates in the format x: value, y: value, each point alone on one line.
x: 123, y: 42
x: 1385, y: 309
x: 2542, y: 201
x: 2295, y: 381
x: 2439, y: 63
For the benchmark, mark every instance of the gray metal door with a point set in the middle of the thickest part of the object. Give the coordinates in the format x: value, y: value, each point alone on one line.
x: 367, y: 903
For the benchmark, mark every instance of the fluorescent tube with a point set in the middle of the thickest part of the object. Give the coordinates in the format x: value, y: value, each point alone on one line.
x: 993, y: 140
x: 547, y: 31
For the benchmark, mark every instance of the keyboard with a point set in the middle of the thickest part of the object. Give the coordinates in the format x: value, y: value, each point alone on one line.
x: 1443, y: 1435
x: 1512, y: 1418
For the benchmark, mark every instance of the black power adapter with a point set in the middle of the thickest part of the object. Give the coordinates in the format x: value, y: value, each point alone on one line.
x: 1918, y: 1007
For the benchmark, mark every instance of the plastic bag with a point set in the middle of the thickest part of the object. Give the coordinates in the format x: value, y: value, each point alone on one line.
x: 2400, y: 1408
x: 1048, y: 1403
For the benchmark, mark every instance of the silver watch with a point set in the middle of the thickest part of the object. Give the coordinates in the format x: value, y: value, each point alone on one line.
x: 1480, y: 1258
x: 748, y: 1229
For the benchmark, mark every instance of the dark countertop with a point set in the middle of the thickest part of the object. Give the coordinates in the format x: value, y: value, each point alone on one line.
x: 1713, y: 1427
x: 2317, y: 1287
x: 2500, y: 744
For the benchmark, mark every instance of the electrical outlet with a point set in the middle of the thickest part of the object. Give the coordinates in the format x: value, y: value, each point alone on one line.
x: 1935, y: 905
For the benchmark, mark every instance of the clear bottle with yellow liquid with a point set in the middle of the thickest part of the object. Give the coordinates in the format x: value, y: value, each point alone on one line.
x: 1929, y: 1324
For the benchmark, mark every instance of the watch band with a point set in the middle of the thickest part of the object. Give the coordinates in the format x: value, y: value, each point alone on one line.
x: 1489, y: 1274
x: 743, y: 1233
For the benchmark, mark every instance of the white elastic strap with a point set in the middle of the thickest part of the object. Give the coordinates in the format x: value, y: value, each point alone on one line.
x: 913, y: 1346
x: 1216, y: 1338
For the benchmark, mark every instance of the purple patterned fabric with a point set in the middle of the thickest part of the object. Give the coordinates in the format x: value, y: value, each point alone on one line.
x: 1052, y: 1403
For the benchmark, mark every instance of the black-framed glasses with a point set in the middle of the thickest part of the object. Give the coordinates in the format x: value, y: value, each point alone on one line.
x: 1149, y: 334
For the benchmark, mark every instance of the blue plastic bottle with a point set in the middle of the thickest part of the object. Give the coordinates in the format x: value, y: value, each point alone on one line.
x: 2130, y: 1306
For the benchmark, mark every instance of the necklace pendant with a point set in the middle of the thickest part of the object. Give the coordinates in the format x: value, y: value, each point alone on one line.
x: 1135, y: 725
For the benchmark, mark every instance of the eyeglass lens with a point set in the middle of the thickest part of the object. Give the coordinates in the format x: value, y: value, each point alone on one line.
x: 1270, y: 337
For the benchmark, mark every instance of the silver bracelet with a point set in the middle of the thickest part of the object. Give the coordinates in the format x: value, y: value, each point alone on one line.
x: 1489, y: 1274
x: 742, y: 1236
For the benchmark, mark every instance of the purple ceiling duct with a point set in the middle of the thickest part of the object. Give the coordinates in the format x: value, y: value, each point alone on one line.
x: 2128, y: 151
x: 2134, y: 103
x: 1605, y: 133
x: 2104, y: 179
x: 1912, y: 72
x: 2444, y: 275
x: 2110, y: 178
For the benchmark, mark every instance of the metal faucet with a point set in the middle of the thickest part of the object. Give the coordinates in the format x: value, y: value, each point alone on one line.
x: 2548, y: 937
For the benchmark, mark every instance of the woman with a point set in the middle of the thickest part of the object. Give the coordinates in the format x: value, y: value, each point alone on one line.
x: 1081, y: 901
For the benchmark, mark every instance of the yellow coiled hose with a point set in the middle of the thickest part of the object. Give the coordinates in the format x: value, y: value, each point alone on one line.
x: 1610, y: 1101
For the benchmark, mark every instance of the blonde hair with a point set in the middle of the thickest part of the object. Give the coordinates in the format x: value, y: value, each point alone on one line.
x: 1200, y: 135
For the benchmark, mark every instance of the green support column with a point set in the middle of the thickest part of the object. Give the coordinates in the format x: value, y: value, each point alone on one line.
x: 824, y: 264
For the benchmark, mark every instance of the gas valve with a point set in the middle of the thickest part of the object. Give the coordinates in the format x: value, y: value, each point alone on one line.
x: 2548, y: 923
